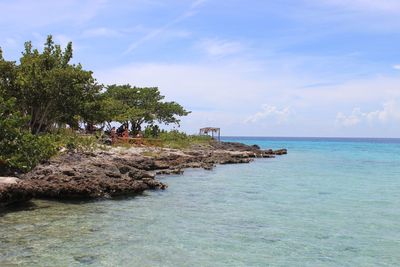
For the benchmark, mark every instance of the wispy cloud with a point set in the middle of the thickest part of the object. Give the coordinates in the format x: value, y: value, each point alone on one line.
x: 366, y: 16
x: 218, y: 47
x: 396, y: 67
x: 101, y: 32
x: 156, y: 32
x: 388, y: 6
x: 270, y: 111
x: 389, y: 112
x: 28, y: 14
x: 198, y: 3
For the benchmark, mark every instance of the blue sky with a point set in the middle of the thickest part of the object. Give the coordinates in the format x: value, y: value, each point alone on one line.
x: 263, y: 68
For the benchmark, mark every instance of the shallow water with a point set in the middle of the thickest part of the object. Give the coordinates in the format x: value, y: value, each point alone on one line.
x: 329, y: 202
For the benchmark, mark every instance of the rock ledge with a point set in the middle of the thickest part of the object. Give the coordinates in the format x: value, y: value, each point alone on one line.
x: 119, y: 171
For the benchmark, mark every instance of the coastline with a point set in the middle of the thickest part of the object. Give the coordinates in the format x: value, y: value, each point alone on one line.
x: 120, y: 171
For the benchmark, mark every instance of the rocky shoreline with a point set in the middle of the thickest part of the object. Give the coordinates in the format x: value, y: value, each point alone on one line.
x: 119, y: 171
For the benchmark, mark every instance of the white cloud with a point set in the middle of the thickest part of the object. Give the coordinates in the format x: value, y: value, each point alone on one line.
x: 396, y: 67
x: 349, y: 120
x: 280, y: 115
x: 218, y: 47
x: 390, y: 112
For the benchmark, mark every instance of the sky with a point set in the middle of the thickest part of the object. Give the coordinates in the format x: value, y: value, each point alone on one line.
x: 328, y: 68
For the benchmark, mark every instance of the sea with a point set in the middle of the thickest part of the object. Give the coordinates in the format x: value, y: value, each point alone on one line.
x: 328, y: 202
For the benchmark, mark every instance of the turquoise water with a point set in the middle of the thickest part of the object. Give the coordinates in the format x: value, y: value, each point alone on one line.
x: 329, y: 202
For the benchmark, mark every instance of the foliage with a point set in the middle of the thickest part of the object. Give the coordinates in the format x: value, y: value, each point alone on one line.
x: 49, y: 89
x: 7, y: 76
x: 73, y: 141
x: 19, y: 149
x: 180, y: 140
x: 100, y: 110
x: 152, y: 131
x: 143, y: 105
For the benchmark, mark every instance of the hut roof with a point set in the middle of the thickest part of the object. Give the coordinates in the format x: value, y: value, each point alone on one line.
x: 209, y: 129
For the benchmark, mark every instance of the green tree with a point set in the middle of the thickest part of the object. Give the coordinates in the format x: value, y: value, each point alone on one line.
x: 49, y: 89
x: 8, y: 73
x: 144, y: 105
x: 19, y: 149
x: 101, y: 110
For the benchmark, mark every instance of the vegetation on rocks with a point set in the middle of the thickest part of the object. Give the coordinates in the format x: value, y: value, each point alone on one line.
x: 179, y: 140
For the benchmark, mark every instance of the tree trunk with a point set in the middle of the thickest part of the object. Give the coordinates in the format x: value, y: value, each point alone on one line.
x: 44, y: 115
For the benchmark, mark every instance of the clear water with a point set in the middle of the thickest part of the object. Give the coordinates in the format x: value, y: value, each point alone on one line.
x: 329, y: 202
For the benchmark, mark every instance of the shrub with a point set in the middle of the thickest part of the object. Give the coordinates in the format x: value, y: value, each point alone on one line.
x: 20, y: 151
x: 178, y: 140
x: 74, y: 141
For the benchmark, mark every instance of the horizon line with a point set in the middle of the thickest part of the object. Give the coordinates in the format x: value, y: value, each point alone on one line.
x: 326, y: 137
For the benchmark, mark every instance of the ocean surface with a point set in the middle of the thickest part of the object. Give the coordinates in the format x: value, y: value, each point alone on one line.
x: 329, y: 202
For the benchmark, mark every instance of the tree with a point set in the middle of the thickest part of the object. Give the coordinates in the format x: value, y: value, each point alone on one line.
x: 8, y: 73
x: 49, y: 89
x: 144, y: 105
x: 19, y: 149
x: 101, y: 110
